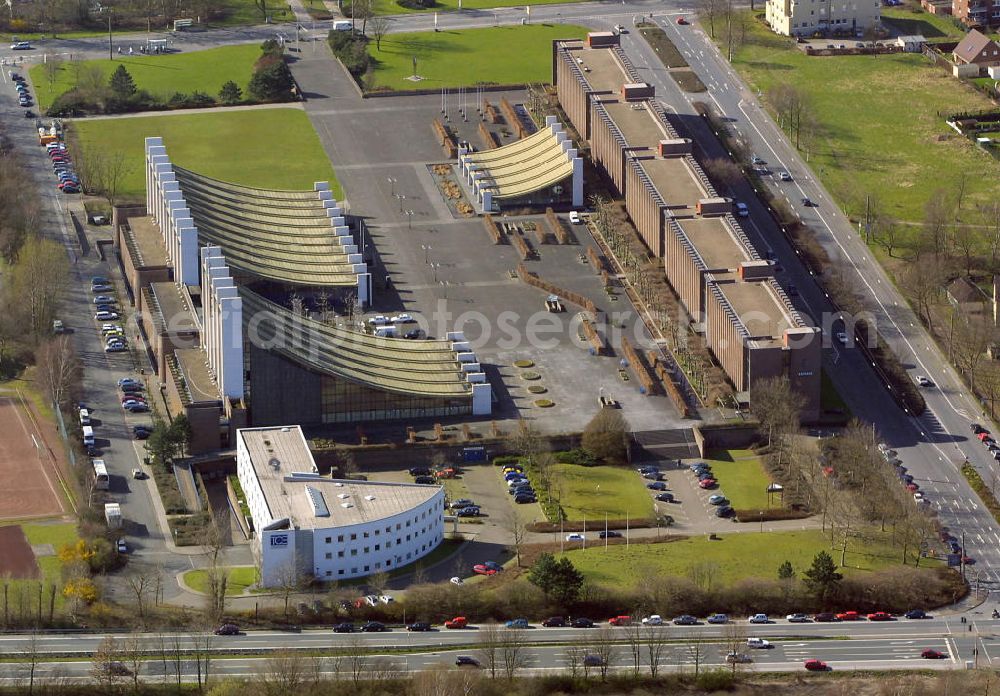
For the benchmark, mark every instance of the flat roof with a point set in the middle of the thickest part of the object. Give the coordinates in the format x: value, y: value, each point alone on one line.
x: 174, y: 310
x: 197, y: 378
x: 675, y: 181
x: 277, y: 453
x: 758, y: 308
x: 714, y: 242
x: 148, y: 241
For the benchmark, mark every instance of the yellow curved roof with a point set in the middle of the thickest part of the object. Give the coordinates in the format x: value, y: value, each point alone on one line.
x: 427, y: 368
x: 283, y: 236
x: 529, y: 165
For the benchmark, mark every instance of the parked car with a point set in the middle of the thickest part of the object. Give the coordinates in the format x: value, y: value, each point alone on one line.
x: 665, y: 497
x: 471, y: 511
x: 825, y: 617
x: 654, y: 620
x: 718, y: 499
x: 797, y: 618
x: 418, y: 626
x: 228, y: 629
x: 724, y: 511
x: 707, y: 483
x: 916, y: 614
x: 522, y: 498
x: 582, y: 622
x: 457, y: 622
x: 759, y: 619
x: 461, y: 503
x: 880, y: 616
x: 374, y: 627
x: 685, y: 620
x: 425, y: 480
x: 621, y: 620
x: 718, y: 619
x: 554, y: 622
x: 657, y: 486
x: 106, y: 316
x: 849, y: 616
x: 420, y: 471
x: 480, y: 569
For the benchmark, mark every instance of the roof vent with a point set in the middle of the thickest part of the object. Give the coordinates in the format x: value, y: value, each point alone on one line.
x: 369, y: 497
x: 343, y: 496
x: 347, y: 505
x: 267, y: 443
x: 274, y: 463
x: 317, y: 501
x: 286, y: 430
x: 339, y: 485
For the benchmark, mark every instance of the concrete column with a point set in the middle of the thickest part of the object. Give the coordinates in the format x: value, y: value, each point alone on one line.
x: 577, y: 180
x: 454, y: 336
x: 229, y: 373
x: 482, y: 398
x: 487, y: 202
x: 187, y: 257
x: 355, y: 258
x: 325, y: 195
x: 170, y: 196
x: 364, y: 289
x: 321, y: 186
x: 176, y: 210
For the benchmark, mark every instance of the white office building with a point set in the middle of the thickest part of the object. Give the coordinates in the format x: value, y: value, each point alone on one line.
x: 311, y: 526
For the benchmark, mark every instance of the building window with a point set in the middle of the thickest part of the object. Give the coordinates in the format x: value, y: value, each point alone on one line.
x: 407, y: 537
x: 378, y: 564
x: 340, y: 554
x: 407, y: 523
x: 329, y: 556
x: 354, y: 537
x: 354, y: 571
x: 340, y: 571
x: 398, y: 526
x: 388, y: 544
x: 367, y: 549
x: 366, y: 535
x: 329, y: 539
x: 378, y: 547
x: 354, y: 552
x: 388, y: 563
x: 367, y: 568
x: 377, y: 532
x: 399, y: 541
x: 340, y: 538
x: 329, y: 573
x: 388, y: 530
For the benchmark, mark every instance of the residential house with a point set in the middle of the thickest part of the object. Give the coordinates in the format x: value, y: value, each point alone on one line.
x: 977, y: 13
x: 977, y: 49
x: 807, y: 17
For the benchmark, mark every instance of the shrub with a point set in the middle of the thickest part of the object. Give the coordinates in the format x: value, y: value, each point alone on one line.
x: 201, y: 99
x: 71, y: 103
x: 230, y: 93
x: 351, y: 50
x: 506, y: 459
x: 578, y: 456
x: 178, y: 99
x: 605, y: 436
x: 716, y: 680
x: 272, y: 81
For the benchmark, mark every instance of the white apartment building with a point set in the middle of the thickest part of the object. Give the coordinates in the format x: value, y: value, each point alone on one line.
x: 307, y: 525
x: 806, y: 17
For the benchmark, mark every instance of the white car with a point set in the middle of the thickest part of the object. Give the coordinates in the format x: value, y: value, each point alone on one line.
x: 924, y: 382
x: 919, y: 498
x: 21, y: 46
x: 457, y: 581
x: 654, y: 620
x: 402, y: 319
x: 378, y: 320
x: 759, y: 619
x: 575, y: 537
x: 371, y: 600
x: 742, y: 210
x: 122, y: 546
x: 785, y: 176
x: 106, y: 316
x: 386, y: 599
x: 758, y: 643
x: 574, y: 217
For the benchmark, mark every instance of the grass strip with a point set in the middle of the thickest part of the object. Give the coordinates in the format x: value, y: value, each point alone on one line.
x: 982, y: 490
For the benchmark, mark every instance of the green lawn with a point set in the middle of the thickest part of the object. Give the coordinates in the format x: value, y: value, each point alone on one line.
x: 742, y: 479
x: 268, y: 148
x: 593, y: 492
x: 737, y: 556
x: 501, y: 55
x: 58, y: 534
x: 161, y: 76
x: 246, y: 12
x: 392, y: 7
x: 932, y: 27
x: 240, y: 578
x: 879, y: 129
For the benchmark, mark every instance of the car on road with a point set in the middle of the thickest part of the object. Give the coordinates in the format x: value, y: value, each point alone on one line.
x: 575, y: 537
x: 755, y: 159
x: 742, y: 210
x: 582, y: 622
x: 923, y: 381
x: 797, y: 618
x: 620, y: 620
x: 610, y: 534
x: 759, y: 643
x: 665, y: 497
x: 517, y: 623
x: 682, y: 21
x: 344, y: 627
x: 841, y: 338
x: 117, y: 669
x: 121, y: 545
x: 816, y: 666
x: 654, y: 620
x: 466, y: 661
x: 554, y: 622
x: 759, y: 619
x: 374, y: 627
x: 402, y: 319
x: 916, y: 614
x: 733, y: 657
x: 707, y: 483
x: 932, y: 654
x: 593, y: 661
x: 849, y: 616
x: 807, y: 202
x: 656, y: 486
x: 825, y: 617
x: 718, y: 499
x: 574, y: 217
x: 228, y: 629
x: 718, y: 619
x: 685, y: 620
x: 21, y: 46
x: 419, y: 626
x: 880, y: 616
x: 976, y: 429
x: 785, y: 176
x: 457, y: 622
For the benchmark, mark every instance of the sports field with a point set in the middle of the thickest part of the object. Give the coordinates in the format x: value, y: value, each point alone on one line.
x: 30, y: 484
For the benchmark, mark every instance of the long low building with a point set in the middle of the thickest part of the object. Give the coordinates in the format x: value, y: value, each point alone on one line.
x: 728, y: 291
x: 313, y: 527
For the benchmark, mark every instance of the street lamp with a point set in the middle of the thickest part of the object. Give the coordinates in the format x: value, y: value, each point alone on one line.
x: 409, y: 219
x: 392, y: 184
x: 435, y: 266
x: 401, y: 198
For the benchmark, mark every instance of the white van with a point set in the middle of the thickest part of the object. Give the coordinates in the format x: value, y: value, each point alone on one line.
x: 386, y: 332
x: 341, y: 25
x: 88, y: 436
x: 84, y: 417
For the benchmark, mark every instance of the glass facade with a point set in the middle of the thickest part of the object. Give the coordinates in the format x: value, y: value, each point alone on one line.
x: 344, y: 401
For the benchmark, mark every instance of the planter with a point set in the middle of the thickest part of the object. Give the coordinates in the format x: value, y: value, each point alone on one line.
x: 544, y: 403
x: 524, y: 363
x: 537, y: 389
x: 530, y: 376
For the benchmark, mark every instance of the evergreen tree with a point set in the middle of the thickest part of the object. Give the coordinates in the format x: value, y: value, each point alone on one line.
x: 230, y: 93
x: 559, y: 580
x: 822, y: 577
x: 121, y: 83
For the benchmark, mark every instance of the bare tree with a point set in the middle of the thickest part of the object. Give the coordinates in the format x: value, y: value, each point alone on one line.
x: 132, y: 656
x: 439, y: 680
x: 939, y: 212
x: 490, y: 648
x: 922, y: 281
x: 734, y: 642
x: 380, y: 27
x: 657, y: 640
x: 379, y: 582
x: 37, y: 280
x: 262, y: 6
x: 634, y: 635
x: 695, y: 649
x: 51, y: 66
x: 218, y: 583
x: 513, y: 650
x: 106, y: 665
x: 575, y: 654
x: 288, y: 672
x: 109, y: 171
x: 353, y: 656
x: 59, y: 369
x: 518, y: 531
x: 289, y: 581
x: 604, y: 646
x: 29, y: 659
x: 140, y: 585
x: 710, y: 10
x: 201, y: 651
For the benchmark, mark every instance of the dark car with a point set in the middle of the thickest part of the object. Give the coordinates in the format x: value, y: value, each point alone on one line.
x: 705, y: 475
x: 724, y: 511
x: 419, y: 626
x: 685, y: 620
x: 227, y: 629
x: 807, y: 202
x: 466, y: 661
x: 420, y: 471
x: 554, y: 622
x: 425, y: 480
x: 652, y: 475
x: 916, y: 614
x: 610, y: 534
x: 493, y: 565
x: 523, y: 498
x: 374, y: 627
x: 657, y: 486
x: 582, y: 622
x: 471, y: 511
x: 344, y: 628
x: 665, y: 497
x: 141, y: 432
x: 825, y: 617
x: 932, y: 654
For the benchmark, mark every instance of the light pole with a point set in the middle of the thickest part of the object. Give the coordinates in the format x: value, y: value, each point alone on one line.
x: 401, y: 198
x: 435, y: 267
x: 409, y: 219
x: 426, y: 248
x: 392, y: 184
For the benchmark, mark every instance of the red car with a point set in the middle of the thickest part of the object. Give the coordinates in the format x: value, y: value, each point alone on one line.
x: 880, y: 616
x: 932, y: 654
x: 480, y: 569
x: 816, y: 666
x: 849, y: 616
x: 706, y: 483
x: 968, y: 560
x: 681, y: 21
x: 457, y: 622
x: 622, y: 620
